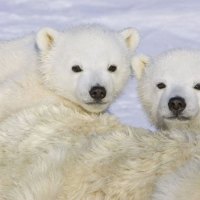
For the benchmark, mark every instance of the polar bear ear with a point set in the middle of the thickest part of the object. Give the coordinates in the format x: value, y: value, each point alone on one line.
x: 46, y: 38
x: 131, y: 37
x: 138, y: 64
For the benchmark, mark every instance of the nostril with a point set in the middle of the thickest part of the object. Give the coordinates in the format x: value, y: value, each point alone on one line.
x: 93, y: 93
x: 97, y: 92
x: 177, y: 104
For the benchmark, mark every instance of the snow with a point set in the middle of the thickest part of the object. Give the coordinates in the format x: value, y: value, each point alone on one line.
x: 163, y: 25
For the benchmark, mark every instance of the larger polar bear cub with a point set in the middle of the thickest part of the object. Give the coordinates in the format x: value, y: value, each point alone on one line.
x: 49, y: 153
x: 169, y: 88
x: 84, y: 67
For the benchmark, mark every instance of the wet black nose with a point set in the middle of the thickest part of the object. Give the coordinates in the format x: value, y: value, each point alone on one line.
x: 97, y: 92
x: 177, y: 104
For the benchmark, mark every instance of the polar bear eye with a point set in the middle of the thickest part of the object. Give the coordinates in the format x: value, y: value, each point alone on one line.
x: 76, y: 68
x: 112, y: 68
x: 197, y: 86
x: 161, y: 85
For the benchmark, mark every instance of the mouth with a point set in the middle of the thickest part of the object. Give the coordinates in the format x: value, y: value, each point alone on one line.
x: 96, y: 103
x: 178, y: 117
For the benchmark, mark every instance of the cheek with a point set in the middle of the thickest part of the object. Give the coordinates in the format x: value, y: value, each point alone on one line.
x: 153, y: 97
x: 193, y: 100
x: 147, y: 92
x: 66, y: 82
x: 198, y: 98
x: 109, y: 82
x: 83, y: 85
x: 162, y: 99
x: 119, y: 80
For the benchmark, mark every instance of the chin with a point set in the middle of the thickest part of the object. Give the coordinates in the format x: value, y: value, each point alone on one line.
x: 177, y: 119
x: 177, y: 123
x: 95, y: 108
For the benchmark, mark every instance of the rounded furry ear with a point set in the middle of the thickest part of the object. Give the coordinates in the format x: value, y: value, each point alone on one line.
x: 138, y: 64
x: 131, y: 37
x: 45, y: 38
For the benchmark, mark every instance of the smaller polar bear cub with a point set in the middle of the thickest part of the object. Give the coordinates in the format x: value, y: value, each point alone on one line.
x: 84, y: 67
x: 169, y: 90
x: 169, y: 86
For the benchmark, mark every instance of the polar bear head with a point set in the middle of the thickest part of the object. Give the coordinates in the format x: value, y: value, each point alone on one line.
x: 169, y: 88
x: 87, y: 65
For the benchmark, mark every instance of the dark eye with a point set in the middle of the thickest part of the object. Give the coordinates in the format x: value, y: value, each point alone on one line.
x: 112, y: 68
x: 161, y: 85
x: 197, y: 86
x: 76, y: 68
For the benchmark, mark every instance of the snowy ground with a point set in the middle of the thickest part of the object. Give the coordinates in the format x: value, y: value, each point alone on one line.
x: 163, y: 24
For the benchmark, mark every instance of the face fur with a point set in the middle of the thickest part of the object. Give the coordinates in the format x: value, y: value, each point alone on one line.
x: 170, y: 89
x: 88, y: 67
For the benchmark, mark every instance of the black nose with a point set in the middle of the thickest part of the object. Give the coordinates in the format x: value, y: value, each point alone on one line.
x: 177, y: 104
x: 97, y: 92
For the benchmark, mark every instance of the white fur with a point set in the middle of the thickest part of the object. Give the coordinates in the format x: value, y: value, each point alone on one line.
x: 183, y: 184
x: 131, y: 37
x: 38, y: 69
x: 139, y: 64
x: 46, y: 38
x: 180, y: 71
x: 53, y: 152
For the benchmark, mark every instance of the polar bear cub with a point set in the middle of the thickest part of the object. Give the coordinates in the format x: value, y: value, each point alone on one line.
x: 84, y: 67
x: 174, y: 80
x: 169, y: 86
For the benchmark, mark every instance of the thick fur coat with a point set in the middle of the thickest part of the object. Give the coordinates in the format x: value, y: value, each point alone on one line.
x: 52, y: 152
x: 85, y: 67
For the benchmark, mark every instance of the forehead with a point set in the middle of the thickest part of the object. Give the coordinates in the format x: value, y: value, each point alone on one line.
x: 97, y: 42
x: 180, y: 65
